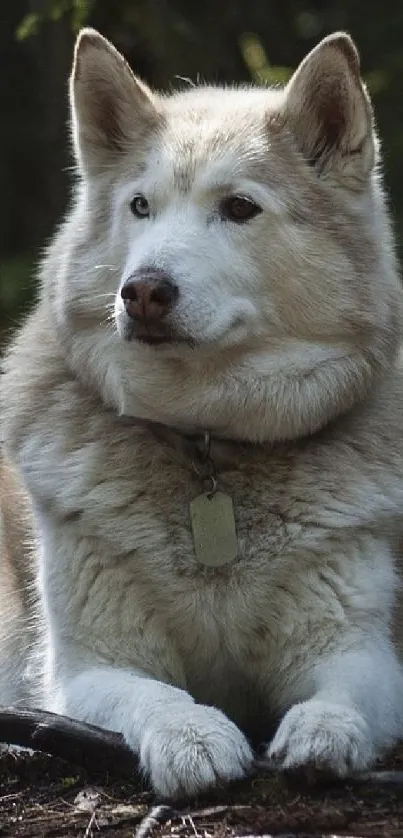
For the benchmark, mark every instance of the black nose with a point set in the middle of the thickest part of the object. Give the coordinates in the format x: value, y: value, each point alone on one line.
x: 149, y: 294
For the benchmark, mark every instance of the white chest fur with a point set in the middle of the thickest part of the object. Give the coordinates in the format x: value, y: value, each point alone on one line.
x: 122, y: 584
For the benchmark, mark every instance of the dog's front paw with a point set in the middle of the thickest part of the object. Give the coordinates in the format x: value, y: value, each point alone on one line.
x: 324, y: 737
x: 191, y: 749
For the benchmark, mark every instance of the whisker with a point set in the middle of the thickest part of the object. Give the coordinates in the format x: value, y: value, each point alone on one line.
x: 109, y: 318
x: 109, y: 326
x: 89, y: 298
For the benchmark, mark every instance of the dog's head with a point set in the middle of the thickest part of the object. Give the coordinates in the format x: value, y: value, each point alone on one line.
x: 229, y: 262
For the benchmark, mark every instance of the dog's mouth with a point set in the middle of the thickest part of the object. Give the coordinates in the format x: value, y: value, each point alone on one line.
x: 152, y: 334
x: 160, y: 340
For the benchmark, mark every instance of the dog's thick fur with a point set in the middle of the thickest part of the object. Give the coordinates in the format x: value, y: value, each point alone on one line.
x: 283, y: 342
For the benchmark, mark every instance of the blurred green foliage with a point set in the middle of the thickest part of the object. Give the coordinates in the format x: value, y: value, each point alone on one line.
x: 77, y: 11
x: 229, y: 40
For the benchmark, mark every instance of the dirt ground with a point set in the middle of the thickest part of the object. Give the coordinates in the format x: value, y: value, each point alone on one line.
x: 43, y: 797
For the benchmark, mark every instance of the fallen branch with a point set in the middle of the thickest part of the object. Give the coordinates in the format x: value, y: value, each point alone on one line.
x: 82, y: 744
x: 311, y: 779
x: 100, y: 751
x: 379, y: 778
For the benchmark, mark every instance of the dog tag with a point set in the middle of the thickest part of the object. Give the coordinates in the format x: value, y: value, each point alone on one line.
x: 214, y: 531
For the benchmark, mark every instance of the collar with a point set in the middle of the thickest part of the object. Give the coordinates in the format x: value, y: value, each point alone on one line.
x: 195, y: 450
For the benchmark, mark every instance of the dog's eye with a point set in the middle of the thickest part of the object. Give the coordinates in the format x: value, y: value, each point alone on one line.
x: 239, y: 208
x: 140, y: 206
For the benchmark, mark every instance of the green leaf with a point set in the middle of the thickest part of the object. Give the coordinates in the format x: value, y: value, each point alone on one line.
x: 80, y: 12
x: 69, y: 782
x: 257, y: 62
x: 28, y: 26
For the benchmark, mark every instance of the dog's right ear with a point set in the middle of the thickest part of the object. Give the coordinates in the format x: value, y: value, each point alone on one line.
x: 329, y: 112
x: 111, y: 109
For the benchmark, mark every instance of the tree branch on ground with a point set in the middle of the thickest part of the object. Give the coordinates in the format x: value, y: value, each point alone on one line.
x: 98, y: 750
x: 82, y: 744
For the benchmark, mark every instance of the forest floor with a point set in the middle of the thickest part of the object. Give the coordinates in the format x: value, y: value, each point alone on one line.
x: 45, y: 797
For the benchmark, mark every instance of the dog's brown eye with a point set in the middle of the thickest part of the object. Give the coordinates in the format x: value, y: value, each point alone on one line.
x: 239, y: 208
x: 140, y: 206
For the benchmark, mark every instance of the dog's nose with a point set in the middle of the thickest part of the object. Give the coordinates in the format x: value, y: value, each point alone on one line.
x: 149, y: 295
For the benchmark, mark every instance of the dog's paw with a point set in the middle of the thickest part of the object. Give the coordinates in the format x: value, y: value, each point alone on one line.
x: 323, y: 737
x: 192, y: 749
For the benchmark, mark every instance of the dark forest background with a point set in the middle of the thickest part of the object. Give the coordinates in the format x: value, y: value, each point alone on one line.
x: 215, y: 40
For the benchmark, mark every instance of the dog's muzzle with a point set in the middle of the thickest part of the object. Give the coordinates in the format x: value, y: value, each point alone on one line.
x: 149, y: 296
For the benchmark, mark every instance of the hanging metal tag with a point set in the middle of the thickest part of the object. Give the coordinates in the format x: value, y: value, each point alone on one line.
x: 214, y: 530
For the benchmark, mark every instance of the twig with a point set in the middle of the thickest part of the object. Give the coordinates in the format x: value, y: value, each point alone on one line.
x: 88, y: 831
x: 263, y: 769
x: 158, y: 815
x: 379, y: 778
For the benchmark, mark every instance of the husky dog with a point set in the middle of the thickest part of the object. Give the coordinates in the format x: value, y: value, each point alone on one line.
x: 205, y: 412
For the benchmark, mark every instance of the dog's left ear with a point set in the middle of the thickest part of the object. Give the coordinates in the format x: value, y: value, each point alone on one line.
x: 111, y: 109
x: 329, y: 113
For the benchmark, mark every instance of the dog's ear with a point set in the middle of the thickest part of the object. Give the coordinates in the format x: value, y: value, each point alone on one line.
x: 329, y: 113
x: 110, y: 108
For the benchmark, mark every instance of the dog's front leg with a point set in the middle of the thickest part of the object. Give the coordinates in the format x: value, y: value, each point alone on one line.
x: 184, y: 748
x: 355, y: 712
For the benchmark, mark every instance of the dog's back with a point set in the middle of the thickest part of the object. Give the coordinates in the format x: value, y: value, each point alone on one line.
x: 19, y: 605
